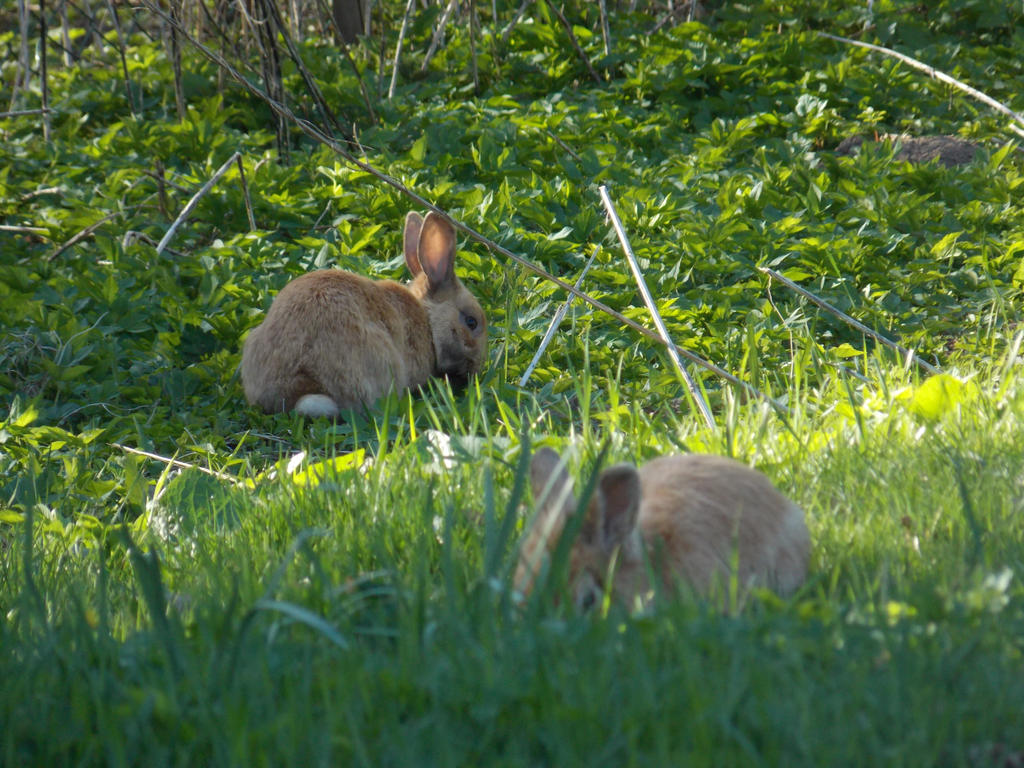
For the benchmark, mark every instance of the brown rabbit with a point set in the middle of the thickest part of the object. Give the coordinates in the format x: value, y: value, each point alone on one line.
x: 692, y: 518
x: 333, y: 340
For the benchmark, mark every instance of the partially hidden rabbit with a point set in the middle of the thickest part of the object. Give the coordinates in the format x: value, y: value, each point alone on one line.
x: 693, y: 519
x: 333, y: 340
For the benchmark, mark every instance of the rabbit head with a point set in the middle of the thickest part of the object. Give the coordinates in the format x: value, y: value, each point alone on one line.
x: 608, y: 531
x: 694, y: 521
x: 458, y: 325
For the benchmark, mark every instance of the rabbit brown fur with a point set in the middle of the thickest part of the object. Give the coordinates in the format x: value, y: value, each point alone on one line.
x: 692, y: 518
x: 333, y: 340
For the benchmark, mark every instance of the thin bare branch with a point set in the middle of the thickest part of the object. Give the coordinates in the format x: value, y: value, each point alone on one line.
x: 82, y: 234
x: 472, y: 45
x: 314, y: 90
x: 515, y: 20
x: 326, y: 12
x: 43, y: 80
x: 563, y: 145
x: 176, y: 463
x: 645, y: 292
x: 161, y: 180
x: 398, y: 48
x: 1017, y: 126
x: 245, y: 191
x: 556, y: 321
x: 190, y: 206
x: 270, y: 68
x: 89, y: 230
x: 24, y: 70
x: 65, y: 33
x: 907, y: 353
x: 124, y: 60
x: 23, y: 113
x: 605, y: 32
x: 438, y: 33
x: 179, y: 91
x: 24, y: 230
x: 133, y: 236
x: 39, y: 193
x: 572, y: 39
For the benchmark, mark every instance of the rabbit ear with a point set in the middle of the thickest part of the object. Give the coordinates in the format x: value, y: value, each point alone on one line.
x: 437, y: 251
x: 618, y: 490
x: 552, y: 493
x: 549, y: 480
x: 413, y: 225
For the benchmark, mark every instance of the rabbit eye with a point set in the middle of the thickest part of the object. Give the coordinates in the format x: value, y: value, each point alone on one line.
x: 468, y: 320
x: 588, y: 594
x: 588, y: 600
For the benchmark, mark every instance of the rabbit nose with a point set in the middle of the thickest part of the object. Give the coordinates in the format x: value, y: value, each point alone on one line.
x: 458, y: 379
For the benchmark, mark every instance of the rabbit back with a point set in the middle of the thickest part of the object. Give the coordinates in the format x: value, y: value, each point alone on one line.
x: 702, y: 516
x: 337, y: 335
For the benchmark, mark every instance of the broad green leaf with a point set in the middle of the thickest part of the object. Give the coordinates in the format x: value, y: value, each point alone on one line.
x: 938, y: 396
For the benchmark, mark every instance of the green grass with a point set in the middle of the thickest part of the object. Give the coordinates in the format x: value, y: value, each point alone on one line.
x: 366, y: 618
x: 261, y: 589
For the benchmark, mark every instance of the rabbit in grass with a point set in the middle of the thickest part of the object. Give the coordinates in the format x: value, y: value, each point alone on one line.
x: 692, y: 519
x: 333, y: 340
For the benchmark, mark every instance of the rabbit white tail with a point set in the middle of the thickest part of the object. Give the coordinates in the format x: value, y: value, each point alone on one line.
x: 316, y: 405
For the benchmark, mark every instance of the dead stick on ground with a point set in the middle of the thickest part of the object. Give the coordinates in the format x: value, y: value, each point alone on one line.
x: 177, y: 463
x: 1016, y: 117
x: 907, y: 353
x: 195, y: 201
x: 556, y: 321
x: 634, y: 266
x: 314, y: 133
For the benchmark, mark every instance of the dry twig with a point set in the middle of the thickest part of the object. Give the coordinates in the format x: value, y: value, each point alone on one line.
x: 124, y: 59
x: 177, y: 463
x: 43, y: 80
x: 1017, y: 124
x: 24, y: 230
x: 556, y: 321
x: 23, y: 113
x: 515, y: 20
x: 245, y: 192
x: 572, y: 39
x: 324, y: 11
x: 438, y: 33
x: 190, y: 206
x: 634, y: 266
x: 605, y: 32
x: 907, y: 353
x: 398, y: 47
x: 82, y: 234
